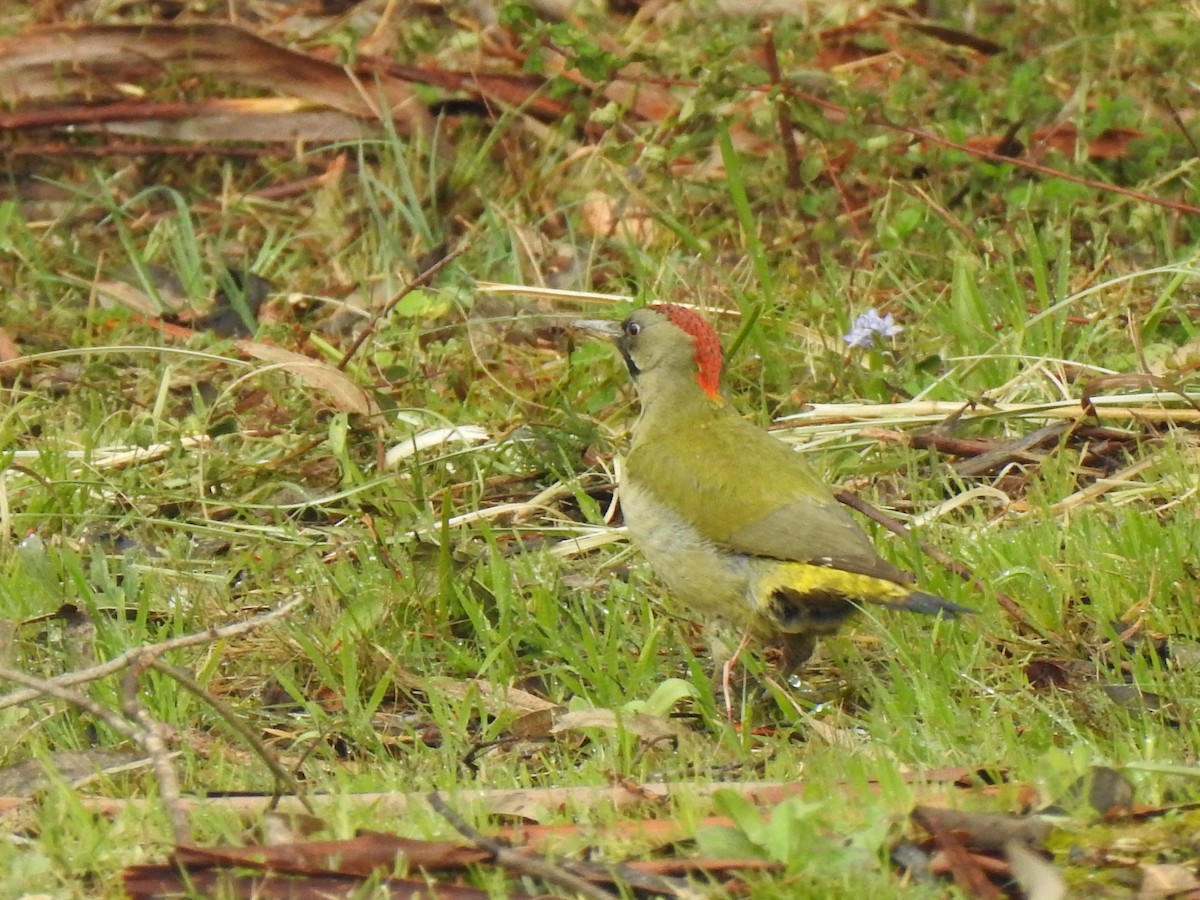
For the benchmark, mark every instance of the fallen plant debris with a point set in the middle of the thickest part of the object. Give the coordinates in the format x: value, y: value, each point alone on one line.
x: 150, y: 882
x: 343, y: 866
x: 430, y: 463
x: 976, y: 849
x: 96, y: 57
x: 133, y: 721
x: 47, y: 63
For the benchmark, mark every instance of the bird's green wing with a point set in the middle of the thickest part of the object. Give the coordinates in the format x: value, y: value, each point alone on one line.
x: 744, y: 490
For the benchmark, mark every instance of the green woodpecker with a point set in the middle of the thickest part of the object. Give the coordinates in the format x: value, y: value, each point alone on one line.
x: 732, y: 520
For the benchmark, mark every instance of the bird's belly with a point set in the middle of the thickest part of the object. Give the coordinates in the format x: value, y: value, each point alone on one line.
x: 766, y: 596
x: 706, y: 578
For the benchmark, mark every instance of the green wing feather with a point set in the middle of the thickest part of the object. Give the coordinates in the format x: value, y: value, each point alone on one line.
x: 749, y: 492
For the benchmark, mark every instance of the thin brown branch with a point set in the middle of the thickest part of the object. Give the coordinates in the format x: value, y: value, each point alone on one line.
x: 1181, y: 125
x: 965, y: 234
x: 144, y: 148
x: 131, y: 657
x: 421, y: 279
x: 1009, y: 605
x: 50, y: 687
x: 525, y: 863
x: 787, y: 134
x: 844, y: 200
x: 1031, y: 166
x: 500, y: 800
x: 136, y: 725
x: 119, y: 111
x: 283, y: 778
x: 153, y: 740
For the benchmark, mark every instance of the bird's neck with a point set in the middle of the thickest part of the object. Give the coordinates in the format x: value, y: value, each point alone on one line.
x: 669, y: 402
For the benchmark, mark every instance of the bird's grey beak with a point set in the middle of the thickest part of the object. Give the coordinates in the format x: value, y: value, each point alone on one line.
x: 602, y: 328
x: 613, y: 331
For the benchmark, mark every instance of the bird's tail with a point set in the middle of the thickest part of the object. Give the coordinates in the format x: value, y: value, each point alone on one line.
x: 802, y: 597
x: 929, y: 605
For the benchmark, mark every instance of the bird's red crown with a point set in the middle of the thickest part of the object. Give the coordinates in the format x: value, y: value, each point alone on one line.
x: 704, y: 339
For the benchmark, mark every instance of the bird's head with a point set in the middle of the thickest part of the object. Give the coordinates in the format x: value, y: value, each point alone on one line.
x: 669, y: 342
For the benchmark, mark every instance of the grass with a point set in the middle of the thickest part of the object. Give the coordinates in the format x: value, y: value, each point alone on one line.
x: 1011, y: 288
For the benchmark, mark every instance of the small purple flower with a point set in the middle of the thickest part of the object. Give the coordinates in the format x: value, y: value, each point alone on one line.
x: 868, y: 325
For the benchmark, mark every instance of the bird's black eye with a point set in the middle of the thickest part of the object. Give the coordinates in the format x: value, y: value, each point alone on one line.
x: 632, y: 328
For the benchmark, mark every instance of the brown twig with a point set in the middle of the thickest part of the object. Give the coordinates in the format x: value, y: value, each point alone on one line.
x: 421, y: 279
x: 1187, y: 134
x: 50, y: 687
x: 967, y: 873
x: 117, y: 111
x: 787, y: 135
x: 1031, y: 166
x: 136, y: 725
x: 154, y: 742
x: 245, y: 732
x: 843, y: 199
x: 144, y: 148
x: 1009, y: 605
x: 499, y: 800
x: 131, y: 657
x: 525, y: 863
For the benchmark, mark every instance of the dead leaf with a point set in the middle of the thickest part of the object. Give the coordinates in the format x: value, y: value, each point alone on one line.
x: 1001, y: 146
x: 275, y: 120
x: 9, y: 351
x: 1113, y: 143
x: 967, y: 869
x: 1039, y: 878
x: 628, y: 88
x: 76, y: 767
x: 493, y: 698
x: 1136, y: 380
x: 1132, y: 698
x: 1110, y: 792
x: 644, y: 726
x: 1167, y: 880
x: 984, y: 831
x: 368, y: 853
x: 111, y: 293
x: 289, y: 827
x: 427, y: 440
x: 533, y: 726
x: 345, y: 395
x: 1048, y: 673
x: 1061, y: 137
x: 1185, y: 358
x: 603, y: 216
x: 90, y: 61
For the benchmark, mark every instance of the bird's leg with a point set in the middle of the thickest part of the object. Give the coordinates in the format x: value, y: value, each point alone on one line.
x: 727, y: 673
x: 796, y: 649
